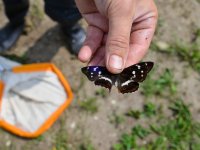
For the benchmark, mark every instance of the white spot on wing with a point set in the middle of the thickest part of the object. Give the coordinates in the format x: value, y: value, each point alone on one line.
x: 126, y: 83
x: 95, y: 69
x: 133, y: 72
x: 138, y: 66
x: 134, y: 76
x: 142, y: 71
x: 107, y: 79
x: 99, y: 72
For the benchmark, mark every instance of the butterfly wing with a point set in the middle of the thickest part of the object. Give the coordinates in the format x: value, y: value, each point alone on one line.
x: 128, y: 87
x: 137, y: 72
x: 99, y: 75
x: 128, y: 80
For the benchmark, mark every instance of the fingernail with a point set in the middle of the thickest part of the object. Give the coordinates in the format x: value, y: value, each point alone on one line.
x: 116, y: 62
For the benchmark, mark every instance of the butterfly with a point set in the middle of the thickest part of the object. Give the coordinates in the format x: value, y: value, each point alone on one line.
x: 126, y: 81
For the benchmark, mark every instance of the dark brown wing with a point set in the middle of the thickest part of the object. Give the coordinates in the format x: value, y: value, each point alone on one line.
x: 100, y: 76
x: 127, y: 81
x: 128, y: 87
x: 137, y: 72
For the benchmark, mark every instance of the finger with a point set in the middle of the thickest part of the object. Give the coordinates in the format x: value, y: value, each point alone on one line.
x: 104, y: 39
x: 86, y: 6
x: 117, y: 46
x: 92, y: 42
x: 141, y: 37
x: 98, y: 57
x: 102, y: 62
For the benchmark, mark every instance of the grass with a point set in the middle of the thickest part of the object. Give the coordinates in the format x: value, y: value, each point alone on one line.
x: 180, y: 132
x: 61, y: 138
x: 86, y: 146
x: 89, y: 105
x: 159, y: 86
x: 169, y: 129
x: 189, y: 52
x: 36, y: 14
x: 20, y: 59
x: 176, y: 132
x: 140, y: 131
x: 101, y: 92
x: 134, y: 114
x: 129, y: 141
x: 40, y: 138
x: 116, y: 119
x: 149, y: 110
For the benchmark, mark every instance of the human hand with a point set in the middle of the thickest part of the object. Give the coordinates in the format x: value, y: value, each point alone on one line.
x: 119, y: 31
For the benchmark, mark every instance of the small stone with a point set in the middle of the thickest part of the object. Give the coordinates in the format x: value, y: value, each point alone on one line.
x: 73, y: 125
x: 113, y: 102
x: 144, y: 142
x: 96, y: 118
x: 8, y: 143
x: 163, y: 46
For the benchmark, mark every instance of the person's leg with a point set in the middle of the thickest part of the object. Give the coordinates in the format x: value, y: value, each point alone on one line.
x: 15, y: 10
x: 67, y: 15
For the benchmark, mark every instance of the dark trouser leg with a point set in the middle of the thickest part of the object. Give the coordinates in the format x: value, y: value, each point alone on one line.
x: 62, y: 11
x: 67, y: 15
x: 15, y: 10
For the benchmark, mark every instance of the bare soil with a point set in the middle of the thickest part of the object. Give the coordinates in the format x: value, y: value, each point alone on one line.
x: 43, y: 42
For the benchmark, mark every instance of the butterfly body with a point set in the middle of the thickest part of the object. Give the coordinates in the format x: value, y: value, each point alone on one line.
x: 126, y: 81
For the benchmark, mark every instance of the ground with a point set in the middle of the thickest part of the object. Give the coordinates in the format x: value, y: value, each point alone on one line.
x: 96, y: 119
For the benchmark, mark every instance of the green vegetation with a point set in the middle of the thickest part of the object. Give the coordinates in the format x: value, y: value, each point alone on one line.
x: 189, y: 52
x: 89, y: 105
x: 169, y: 129
x: 134, y: 114
x: 127, y: 142
x: 159, y: 86
x: 36, y: 15
x: 20, y: 59
x: 101, y: 92
x: 61, y: 141
x: 180, y: 132
x: 116, y: 119
x: 163, y: 122
x: 86, y: 146
x: 149, y: 110
x: 175, y: 132
x: 61, y: 138
x: 140, y: 132
x: 40, y: 138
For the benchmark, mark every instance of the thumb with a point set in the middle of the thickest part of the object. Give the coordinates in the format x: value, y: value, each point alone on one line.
x: 117, y: 45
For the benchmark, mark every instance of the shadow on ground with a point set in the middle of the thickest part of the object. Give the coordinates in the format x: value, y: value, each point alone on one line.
x: 47, y: 46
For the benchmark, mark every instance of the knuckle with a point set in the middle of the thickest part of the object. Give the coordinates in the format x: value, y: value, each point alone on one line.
x: 118, y: 43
